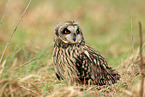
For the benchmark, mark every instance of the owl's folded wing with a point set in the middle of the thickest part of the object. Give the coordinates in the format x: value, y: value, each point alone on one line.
x: 91, y: 65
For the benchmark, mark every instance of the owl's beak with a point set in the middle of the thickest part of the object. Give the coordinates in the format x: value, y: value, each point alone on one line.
x: 74, y: 37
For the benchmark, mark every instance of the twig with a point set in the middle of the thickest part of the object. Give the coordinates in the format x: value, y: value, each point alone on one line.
x: 141, y: 59
x: 24, y: 64
x: 4, y: 12
x: 14, y: 30
x: 132, y: 36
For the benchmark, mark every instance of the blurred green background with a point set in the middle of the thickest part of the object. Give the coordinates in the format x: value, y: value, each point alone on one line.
x: 106, y: 25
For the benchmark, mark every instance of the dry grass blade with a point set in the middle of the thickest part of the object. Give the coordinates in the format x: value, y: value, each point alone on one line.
x: 25, y: 64
x: 4, y: 12
x: 3, y: 88
x: 141, y: 63
x: 11, y: 88
x: 23, y: 80
x: 132, y: 36
x: 29, y: 90
x: 36, y: 88
x: 127, y: 92
x: 70, y: 91
x: 14, y: 31
x: 2, y: 66
x: 28, y: 77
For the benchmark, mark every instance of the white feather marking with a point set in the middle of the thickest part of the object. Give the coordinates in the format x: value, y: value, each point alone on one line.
x: 89, y: 70
x: 98, y: 63
x: 95, y: 61
x: 86, y: 52
x: 93, y: 77
x: 82, y: 66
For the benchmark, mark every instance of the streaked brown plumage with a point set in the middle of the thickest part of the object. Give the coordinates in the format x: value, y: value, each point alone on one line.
x: 75, y: 61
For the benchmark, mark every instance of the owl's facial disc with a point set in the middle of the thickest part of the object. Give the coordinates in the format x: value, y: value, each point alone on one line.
x: 71, y: 34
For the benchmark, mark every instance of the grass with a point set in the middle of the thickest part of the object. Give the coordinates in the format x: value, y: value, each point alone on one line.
x: 106, y: 26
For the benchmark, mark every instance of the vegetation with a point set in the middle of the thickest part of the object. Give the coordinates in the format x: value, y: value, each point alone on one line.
x: 27, y: 68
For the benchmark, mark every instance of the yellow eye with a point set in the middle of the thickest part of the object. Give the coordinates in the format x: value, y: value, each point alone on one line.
x: 77, y: 31
x: 66, y: 31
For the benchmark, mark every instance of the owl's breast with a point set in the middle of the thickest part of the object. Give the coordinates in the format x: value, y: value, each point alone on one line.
x: 65, y: 61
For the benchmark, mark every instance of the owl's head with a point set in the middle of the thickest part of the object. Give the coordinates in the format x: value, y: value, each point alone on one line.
x: 68, y: 32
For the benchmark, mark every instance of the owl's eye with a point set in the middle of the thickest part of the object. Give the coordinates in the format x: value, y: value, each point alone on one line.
x: 78, y: 31
x: 66, y: 31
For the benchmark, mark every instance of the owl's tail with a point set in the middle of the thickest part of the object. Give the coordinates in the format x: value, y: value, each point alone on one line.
x: 114, y: 75
x: 107, y: 76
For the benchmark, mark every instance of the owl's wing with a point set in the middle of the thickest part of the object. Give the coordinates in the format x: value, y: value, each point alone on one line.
x: 91, y: 65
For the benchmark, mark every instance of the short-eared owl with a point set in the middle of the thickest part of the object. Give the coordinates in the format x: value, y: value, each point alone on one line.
x: 75, y: 61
